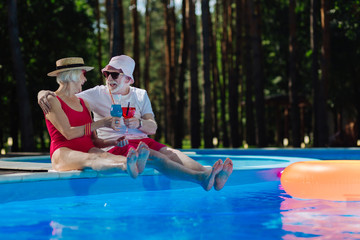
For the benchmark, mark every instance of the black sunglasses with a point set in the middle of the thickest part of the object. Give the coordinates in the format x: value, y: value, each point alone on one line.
x: 114, y: 75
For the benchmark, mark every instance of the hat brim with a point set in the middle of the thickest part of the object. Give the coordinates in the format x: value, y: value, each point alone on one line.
x: 54, y: 73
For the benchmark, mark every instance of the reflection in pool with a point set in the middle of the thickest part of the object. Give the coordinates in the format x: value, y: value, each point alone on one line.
x: 320, y: 218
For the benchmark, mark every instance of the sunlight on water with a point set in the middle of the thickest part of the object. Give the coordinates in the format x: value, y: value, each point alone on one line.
x: 250, y: 211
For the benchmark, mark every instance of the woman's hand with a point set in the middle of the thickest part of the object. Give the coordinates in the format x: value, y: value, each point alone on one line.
x: 111, y: 122
x: 43, y: 101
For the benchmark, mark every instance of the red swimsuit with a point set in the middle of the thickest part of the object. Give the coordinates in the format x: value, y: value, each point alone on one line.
x: 84, y: 143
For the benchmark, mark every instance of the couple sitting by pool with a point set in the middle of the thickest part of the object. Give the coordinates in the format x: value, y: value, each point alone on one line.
x: 76, y: 145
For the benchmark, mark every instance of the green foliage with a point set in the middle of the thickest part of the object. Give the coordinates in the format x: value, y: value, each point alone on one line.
x: 49, y: 30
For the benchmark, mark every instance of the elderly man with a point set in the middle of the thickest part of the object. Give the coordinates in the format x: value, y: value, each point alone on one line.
x: 171, y: 162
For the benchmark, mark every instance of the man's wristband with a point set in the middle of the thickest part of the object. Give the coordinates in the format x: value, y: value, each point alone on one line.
x: 140, y: 123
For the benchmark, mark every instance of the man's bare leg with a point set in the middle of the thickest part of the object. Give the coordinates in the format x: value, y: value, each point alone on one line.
x: 181, y: 158
x: 178, y: 171
x: 224, y: 174
x: 143, y: 152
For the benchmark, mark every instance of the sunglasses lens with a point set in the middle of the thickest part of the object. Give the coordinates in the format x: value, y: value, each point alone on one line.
x: 114, y: 75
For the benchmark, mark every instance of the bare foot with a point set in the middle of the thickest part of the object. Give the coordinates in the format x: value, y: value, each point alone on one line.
x: 143, y: 152
x: 223, y: 176
x: 131, y: 160
x: 209, y: 182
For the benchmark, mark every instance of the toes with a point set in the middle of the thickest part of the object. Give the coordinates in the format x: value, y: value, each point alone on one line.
x: 228, y: 162
x: 218, y: 162
x: 131, y: 153
x: 218, y: 166
x: 141, y: 146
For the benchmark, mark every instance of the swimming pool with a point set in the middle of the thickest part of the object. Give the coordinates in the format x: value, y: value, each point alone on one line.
x: 251, y: 206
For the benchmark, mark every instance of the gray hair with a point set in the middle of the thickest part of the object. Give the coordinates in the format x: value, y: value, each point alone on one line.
x: 69, y: 76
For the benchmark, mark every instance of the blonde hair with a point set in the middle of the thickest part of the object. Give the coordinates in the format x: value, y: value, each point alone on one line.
x: 69, y: 76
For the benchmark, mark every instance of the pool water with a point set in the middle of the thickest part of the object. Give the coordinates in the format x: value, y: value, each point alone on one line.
x: 250, y: 211
x: 252, y: 205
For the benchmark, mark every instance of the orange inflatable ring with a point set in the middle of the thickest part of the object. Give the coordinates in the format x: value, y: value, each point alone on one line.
x: 337, y: 180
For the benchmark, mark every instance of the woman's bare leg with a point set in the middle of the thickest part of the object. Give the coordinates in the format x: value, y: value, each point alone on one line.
x: 65, y: 159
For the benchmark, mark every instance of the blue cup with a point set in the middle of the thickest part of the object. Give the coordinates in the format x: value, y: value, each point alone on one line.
x: 116, y: 110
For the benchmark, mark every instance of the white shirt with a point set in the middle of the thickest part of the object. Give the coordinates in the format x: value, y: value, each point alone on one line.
x: 100, y: 102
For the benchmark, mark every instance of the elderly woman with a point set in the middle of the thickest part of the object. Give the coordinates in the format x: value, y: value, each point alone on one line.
x: 74, y: 143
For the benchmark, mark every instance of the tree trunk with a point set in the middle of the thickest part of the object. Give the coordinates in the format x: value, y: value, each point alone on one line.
x: 180, y: 103
x: 170, y: 83
x: 173, y: 68
x: 117, y: 29
x: 136, y: 42
x: 249, y: 104
x: 121, y: 27
x: 99, y: 52
x: 215, y: 73
x: 147, y: 45
x: 237, y: 74
x: 225, y: 72
x: 109, y: 18
x: 314, y: 65
x: 314, y: 42
x: 26, y: 125
x: 233, y: 80
x: 293, y: 82
x: 194, y: 83
x: 206, y: 18
x: 14, y: 126
x: 258, y: 75
x: 323, y: 133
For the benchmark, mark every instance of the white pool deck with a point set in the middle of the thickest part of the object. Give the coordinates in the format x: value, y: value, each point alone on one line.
x: 14, y: 170
x: 27, y: 171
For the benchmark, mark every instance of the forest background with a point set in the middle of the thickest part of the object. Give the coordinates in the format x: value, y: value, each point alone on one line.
x: 219, y: 73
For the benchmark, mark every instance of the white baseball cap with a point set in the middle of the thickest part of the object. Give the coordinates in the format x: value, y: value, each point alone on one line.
x: 123, y: 62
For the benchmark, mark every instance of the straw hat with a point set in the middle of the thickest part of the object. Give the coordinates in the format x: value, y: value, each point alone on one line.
x: 123, y: 62
x: 70, y: 63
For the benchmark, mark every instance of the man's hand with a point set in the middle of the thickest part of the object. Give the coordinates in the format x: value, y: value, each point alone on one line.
x: 43, y: 101
x: 131, y: 122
